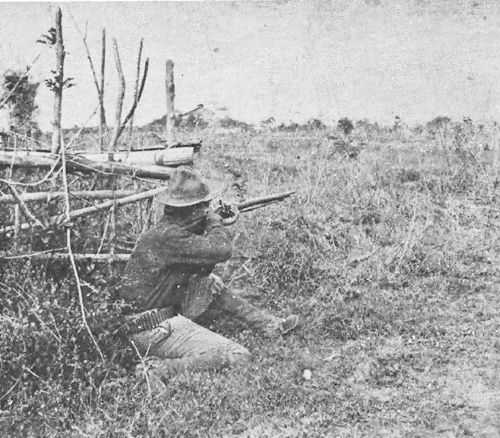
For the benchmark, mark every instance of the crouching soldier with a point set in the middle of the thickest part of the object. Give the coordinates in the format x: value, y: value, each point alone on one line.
x: 169, y: 278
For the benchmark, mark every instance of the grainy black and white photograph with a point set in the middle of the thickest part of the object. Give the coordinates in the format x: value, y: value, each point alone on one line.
x: 254, y: 219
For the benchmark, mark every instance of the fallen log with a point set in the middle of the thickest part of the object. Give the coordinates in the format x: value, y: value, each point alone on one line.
x: 27, y: 159
x: 61, y: 219
x: 162, y: 157
x: 49, y: 196
x: 112, y: 168
x: 82, y: 164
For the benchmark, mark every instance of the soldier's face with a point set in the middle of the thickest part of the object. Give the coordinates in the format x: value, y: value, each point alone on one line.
x: 200, y: 210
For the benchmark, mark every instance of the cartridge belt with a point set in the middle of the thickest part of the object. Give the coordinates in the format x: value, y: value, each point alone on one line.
x: 148, y: 320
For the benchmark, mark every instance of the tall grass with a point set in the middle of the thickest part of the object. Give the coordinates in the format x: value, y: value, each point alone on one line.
x: 369, y: 252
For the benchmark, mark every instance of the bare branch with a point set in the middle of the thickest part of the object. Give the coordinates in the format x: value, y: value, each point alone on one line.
x: 49, y: 196
x: 103, y: 68
x: 22, y: 205
x: 99, y: 85
x: 65, y: 219
x: 138, y: 98
x: 51, y: 255
x: 72, y: 258
x: 102, y: 111
x: 136, y: 87
x: 119, y: 101
x: 89, y: 56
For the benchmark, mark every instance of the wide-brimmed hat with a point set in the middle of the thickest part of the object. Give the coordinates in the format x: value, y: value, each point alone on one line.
x: 185, y: 188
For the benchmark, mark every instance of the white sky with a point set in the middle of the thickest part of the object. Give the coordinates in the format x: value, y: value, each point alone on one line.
x: 293, y: 60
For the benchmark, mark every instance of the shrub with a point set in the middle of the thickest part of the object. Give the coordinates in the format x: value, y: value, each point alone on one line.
x: 46, y: 354
x: 345, y: 125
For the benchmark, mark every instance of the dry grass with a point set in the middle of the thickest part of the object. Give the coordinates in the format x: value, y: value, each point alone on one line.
x: 391, y: 260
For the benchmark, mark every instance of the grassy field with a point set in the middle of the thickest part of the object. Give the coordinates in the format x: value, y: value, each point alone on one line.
x: 391, y: 258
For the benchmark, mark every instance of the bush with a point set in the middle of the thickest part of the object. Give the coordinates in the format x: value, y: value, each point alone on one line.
x: 345, y: 125
x: 49, y: 366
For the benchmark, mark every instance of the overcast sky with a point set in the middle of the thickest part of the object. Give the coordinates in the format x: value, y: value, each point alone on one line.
x: 288, y: 59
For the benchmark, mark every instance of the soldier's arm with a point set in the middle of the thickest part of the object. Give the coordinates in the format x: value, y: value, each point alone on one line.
x: 213, y: 247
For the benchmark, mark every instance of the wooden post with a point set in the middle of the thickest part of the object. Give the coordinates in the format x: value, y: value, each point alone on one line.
x: 59, y: 82
x: 170, y: 94
x: 102, y: 113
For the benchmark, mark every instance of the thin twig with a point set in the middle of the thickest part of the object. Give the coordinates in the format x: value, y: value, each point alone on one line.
x: 84, y: 125
x: 30, y: 308
x: 144, y: 366
x: 96, y: 258
x: 99, y: 87
x: 105, y: 231
x: 137, y: 100
x: 11, y: 168
x: 71, y: 257
x: 89, y: 56
x: 30, y: 255
x: 12, y: 387
x: 39, y: 182
x: 112, y: 234
x: 22, y: 205
x: 24, y: 137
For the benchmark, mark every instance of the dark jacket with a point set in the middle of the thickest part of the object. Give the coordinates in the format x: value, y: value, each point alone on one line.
x: 165, y: 258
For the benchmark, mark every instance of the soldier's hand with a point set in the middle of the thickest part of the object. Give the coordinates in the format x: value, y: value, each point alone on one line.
x: 228, y: 212
x: 218, y: 285
x: 213, y: 219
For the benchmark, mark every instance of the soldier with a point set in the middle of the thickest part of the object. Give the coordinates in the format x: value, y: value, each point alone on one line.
x: 169, y: 278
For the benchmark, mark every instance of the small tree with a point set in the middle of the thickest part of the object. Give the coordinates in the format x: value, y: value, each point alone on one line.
x: 438, y: 123
x: 18, y: 95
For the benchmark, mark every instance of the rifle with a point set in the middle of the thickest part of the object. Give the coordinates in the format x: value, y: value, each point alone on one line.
x: 230, y: 213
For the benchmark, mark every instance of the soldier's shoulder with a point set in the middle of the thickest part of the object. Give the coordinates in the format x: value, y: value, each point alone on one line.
x: 160, y: 231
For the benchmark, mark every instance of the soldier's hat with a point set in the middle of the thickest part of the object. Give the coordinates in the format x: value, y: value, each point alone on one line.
x: 185, y: 189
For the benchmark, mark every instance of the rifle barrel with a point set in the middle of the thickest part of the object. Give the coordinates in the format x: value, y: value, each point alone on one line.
x: 264, y: 200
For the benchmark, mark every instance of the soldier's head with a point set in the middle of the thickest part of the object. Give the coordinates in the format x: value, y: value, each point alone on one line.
x: 186, y: 196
